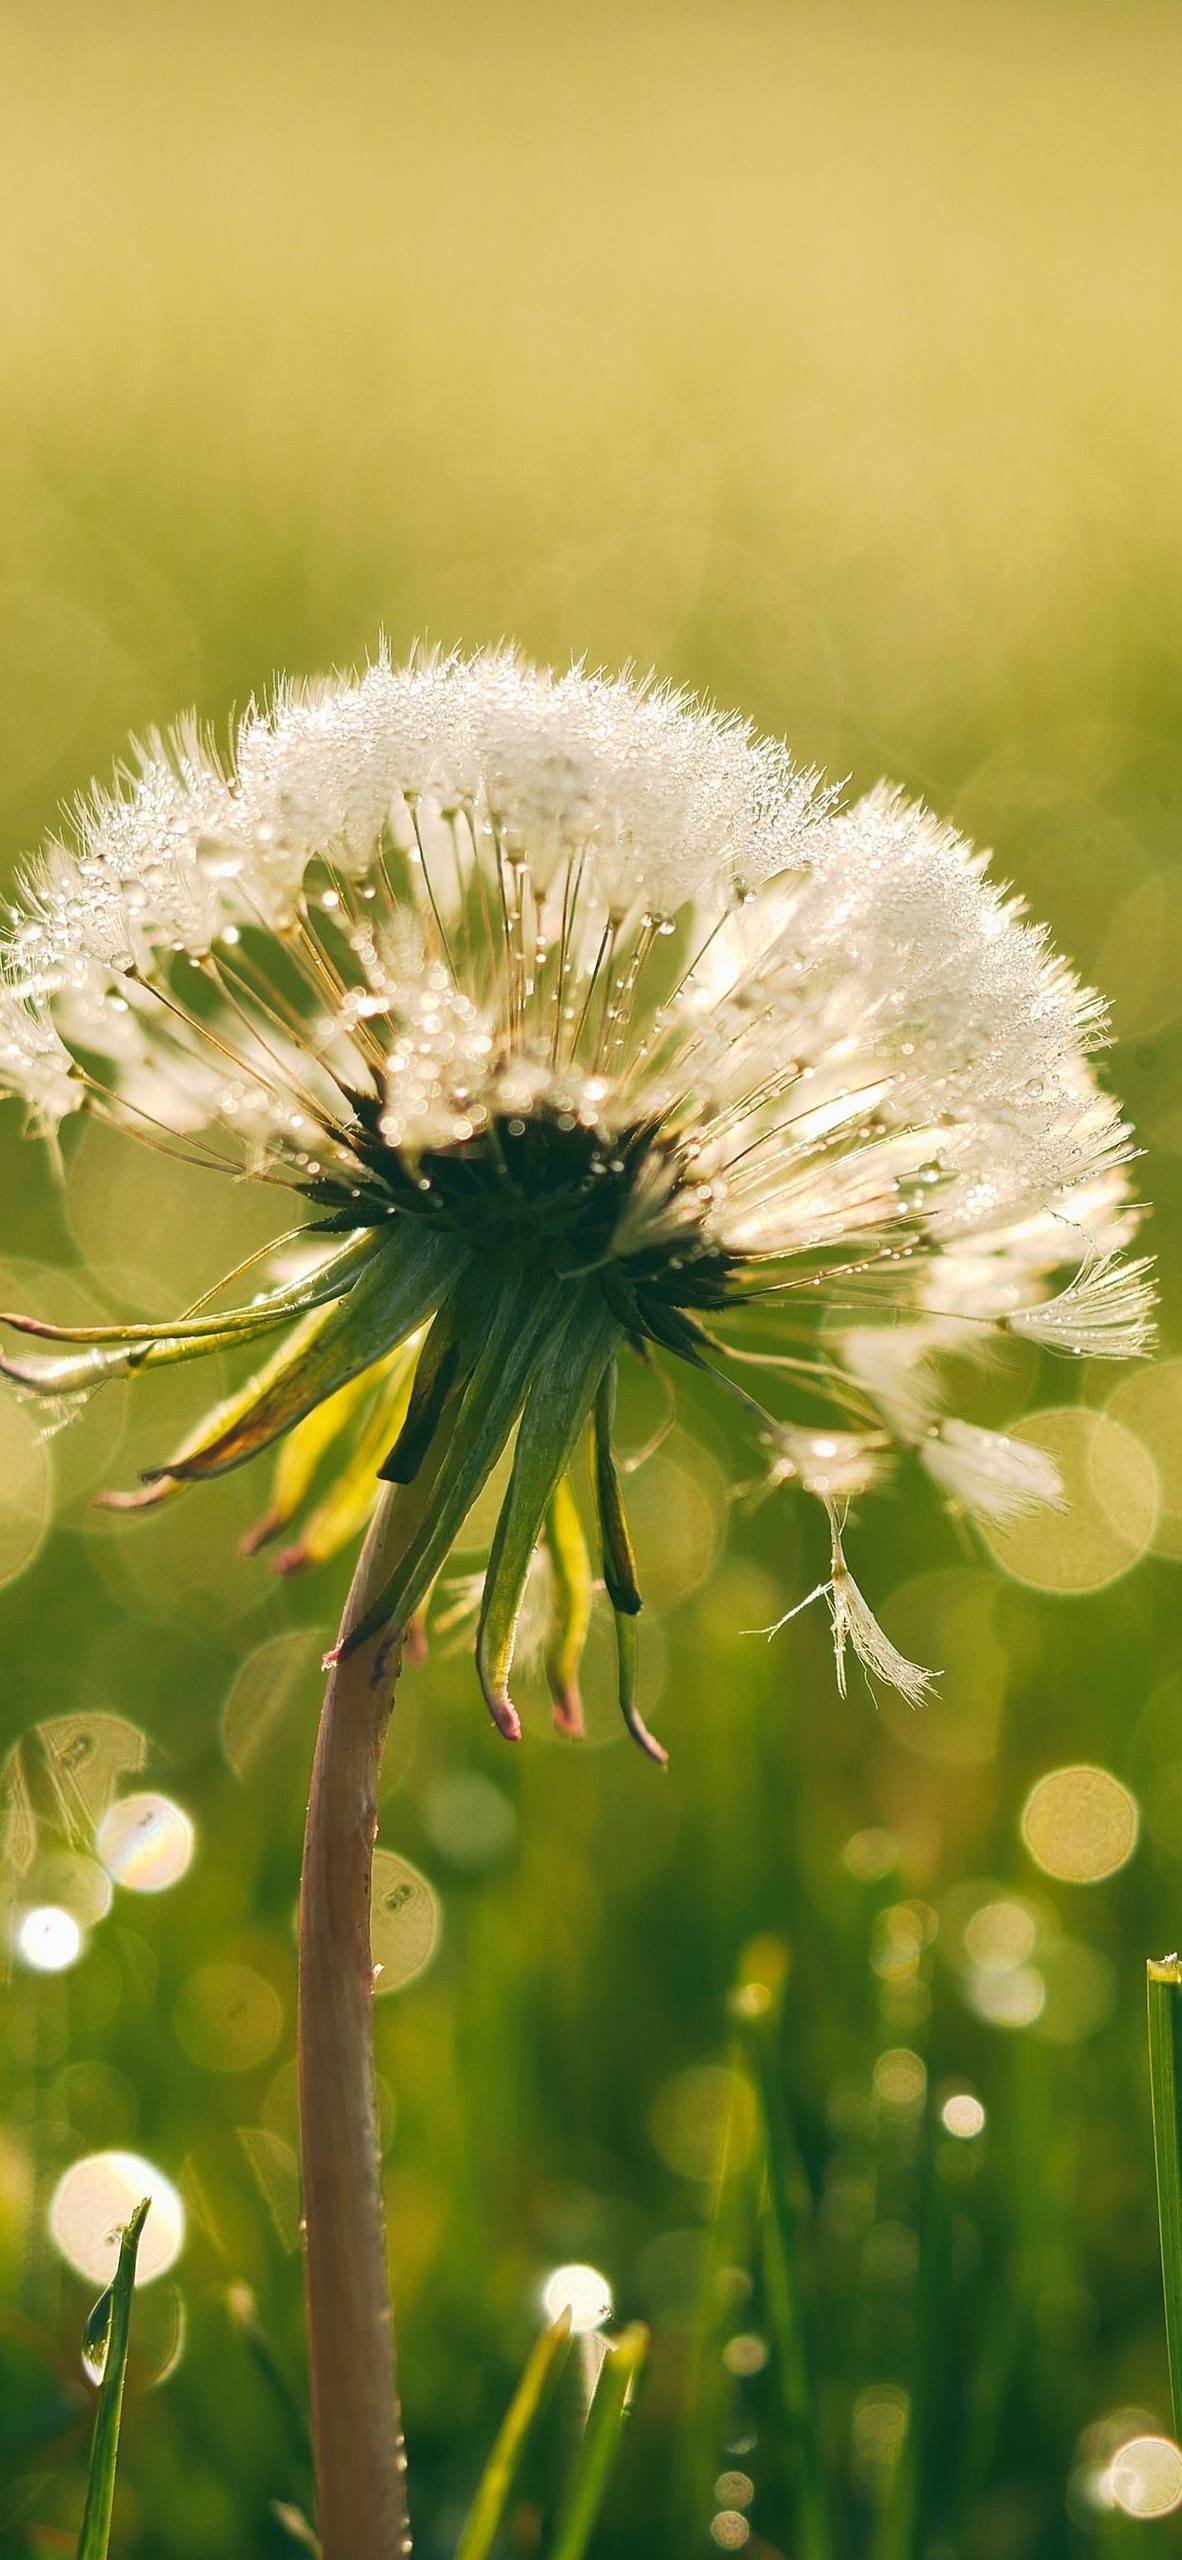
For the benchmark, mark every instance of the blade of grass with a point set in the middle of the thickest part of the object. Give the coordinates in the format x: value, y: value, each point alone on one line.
x: 901, y: 2522
x: 293, y: 2522
x: 109, y: 2325
x: 591, y: 2471
x: 1004, y: 2318
x: 545, y: 2362
x: 757, y: 2009
x: 244, y: 2312
x: 728, y: 2242
x: 1164, y: 1988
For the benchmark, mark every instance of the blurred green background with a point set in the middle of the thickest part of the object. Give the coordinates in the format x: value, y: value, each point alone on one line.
x: 827, y: 359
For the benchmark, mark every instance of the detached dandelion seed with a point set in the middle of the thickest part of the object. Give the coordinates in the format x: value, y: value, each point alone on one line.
x: 578, y: 1024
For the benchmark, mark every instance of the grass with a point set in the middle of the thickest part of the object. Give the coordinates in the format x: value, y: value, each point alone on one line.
x: 1164, y: 1986
x: 783, y: 2205
x: 839, y: 386
x: 591, y: 2471
x: 104, y: 2346
x: 543, y: 2368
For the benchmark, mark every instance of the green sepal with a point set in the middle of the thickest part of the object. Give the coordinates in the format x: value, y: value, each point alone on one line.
x: 399, y: 1289
x: 352, y: 1492
x: 619, y: 1562
x: 469, y: 1441
x: 619, y: 1570
x: 628, y: 1672
x: 570, y: 1567
x: 672, y: 1330
x: 300, y: 1456
x: 161, y: 1484
x: 556, y: 1408
x: 121, y: 1350
x: 77, y: 1372
x: 434, y: 1380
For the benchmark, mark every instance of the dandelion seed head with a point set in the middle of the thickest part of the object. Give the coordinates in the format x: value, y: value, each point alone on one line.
x: 570, y: 977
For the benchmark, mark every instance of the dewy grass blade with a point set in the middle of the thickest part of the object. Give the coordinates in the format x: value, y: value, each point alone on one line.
x: 1164, y: 1982
x: 756, y: 2008
x: 107, y: 2334
x: 587, y: 2486
x: 545, y: 2363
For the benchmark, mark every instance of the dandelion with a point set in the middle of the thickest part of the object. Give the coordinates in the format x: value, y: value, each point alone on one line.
x: 580, y: 1027
x: 580, y: 1024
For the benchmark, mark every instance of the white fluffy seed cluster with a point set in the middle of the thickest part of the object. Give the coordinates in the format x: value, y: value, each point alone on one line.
x: 858, y: 962
x: 650, y: 795
x: 664, y: 792
x: 478, y: 890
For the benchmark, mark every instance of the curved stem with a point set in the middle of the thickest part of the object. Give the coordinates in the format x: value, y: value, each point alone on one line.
x: 360, y: 2464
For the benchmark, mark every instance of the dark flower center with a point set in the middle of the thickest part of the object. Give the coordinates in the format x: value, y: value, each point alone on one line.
x: 547, y: 1189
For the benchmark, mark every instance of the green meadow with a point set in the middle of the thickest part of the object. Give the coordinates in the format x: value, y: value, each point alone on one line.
x: 826, y: 360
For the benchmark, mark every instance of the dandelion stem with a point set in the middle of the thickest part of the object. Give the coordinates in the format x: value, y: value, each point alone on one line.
x: 360, y: 2465
x: 1165, y: 2083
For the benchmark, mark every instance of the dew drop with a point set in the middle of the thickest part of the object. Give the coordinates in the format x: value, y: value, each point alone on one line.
x: 96, y: 2337
x: 217, y: 861
x: 90, y: 2206
x: 583, y: 2292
